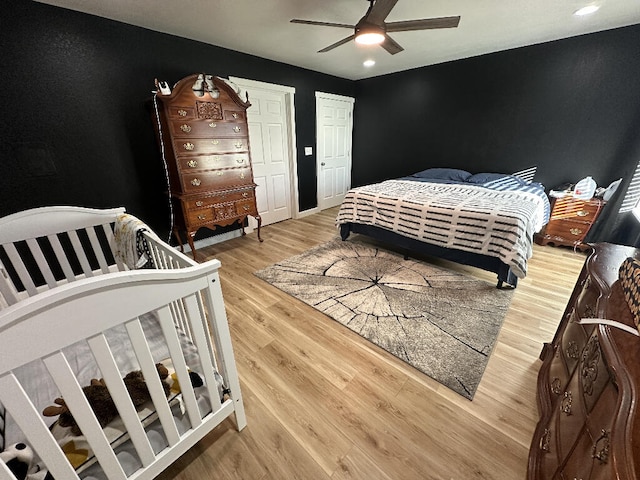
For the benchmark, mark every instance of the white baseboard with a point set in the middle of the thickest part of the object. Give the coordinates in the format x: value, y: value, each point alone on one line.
x: 212, y: 240
x: 306, y: 213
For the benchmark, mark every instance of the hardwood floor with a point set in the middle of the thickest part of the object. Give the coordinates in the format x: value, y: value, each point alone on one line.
x: 323, y: 403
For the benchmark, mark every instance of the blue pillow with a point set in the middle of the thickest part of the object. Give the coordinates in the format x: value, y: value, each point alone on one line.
x: 444, y: 174
x: 480, y: 178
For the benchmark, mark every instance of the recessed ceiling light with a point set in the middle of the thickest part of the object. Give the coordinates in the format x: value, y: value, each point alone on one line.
x: 369, y: 63
x: 586, y: 10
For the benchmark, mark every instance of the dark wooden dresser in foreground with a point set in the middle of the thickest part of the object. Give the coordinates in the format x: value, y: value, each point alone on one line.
x: 204, y: 140
x: 570, y: 221
x: 589, y: 383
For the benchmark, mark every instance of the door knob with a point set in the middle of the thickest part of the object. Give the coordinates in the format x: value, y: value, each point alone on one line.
x: 322, y: 164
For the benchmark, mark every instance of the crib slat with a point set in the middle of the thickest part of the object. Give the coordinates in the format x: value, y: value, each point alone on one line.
x: 18, y: 404
x: 143, y: 354
x: 7, y: 288
x: 120, y: 395
x: 61, y: 257
x: 21, y: 270
x: 80, y: 253
x: 180, y: 366
x: 5, y: 473
x: 76, y: 401
x: 97, y: 249
x: 36, y: 251
x: 215, y: 306
x: 198, y: 334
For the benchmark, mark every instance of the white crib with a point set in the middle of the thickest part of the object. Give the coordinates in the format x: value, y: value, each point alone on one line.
x: 62, y: 282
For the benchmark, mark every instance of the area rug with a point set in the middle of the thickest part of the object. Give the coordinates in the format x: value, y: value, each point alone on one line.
x: 441, y: 322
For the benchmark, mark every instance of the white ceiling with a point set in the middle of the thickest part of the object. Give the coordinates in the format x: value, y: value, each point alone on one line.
x: 262, y: 27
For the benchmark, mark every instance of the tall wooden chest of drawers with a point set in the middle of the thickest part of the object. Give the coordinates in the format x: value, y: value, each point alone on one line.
x: 570, y: 221
x: 203, y: 135
x: 589, y: 383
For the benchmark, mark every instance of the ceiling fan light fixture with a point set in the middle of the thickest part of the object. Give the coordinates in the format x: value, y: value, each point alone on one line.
x: 368, y: 34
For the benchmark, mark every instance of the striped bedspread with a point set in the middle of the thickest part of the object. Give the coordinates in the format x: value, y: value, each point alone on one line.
x: 498, y: 223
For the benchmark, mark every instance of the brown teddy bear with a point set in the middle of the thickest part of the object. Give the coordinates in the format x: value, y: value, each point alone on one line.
x: 101, y: 402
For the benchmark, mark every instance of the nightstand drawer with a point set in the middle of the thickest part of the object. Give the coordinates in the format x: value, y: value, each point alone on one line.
x: 569, y: 208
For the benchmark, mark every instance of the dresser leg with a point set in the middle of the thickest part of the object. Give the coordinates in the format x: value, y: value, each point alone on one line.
x: 259, y: 219
x: 190, y: 240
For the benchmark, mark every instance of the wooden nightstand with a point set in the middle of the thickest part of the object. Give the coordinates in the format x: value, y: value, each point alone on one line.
x: 571, y: 219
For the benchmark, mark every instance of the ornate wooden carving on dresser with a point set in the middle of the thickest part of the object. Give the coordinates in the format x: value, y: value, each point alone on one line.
x: 589, y: 383
x: 203, y: 135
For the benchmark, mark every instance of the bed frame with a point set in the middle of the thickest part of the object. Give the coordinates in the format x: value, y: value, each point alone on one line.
x: 411, y: 245
x: 78, y: 291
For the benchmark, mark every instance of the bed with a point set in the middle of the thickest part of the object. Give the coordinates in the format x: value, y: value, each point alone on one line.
x: 90, y: 294
x: 486, y: 220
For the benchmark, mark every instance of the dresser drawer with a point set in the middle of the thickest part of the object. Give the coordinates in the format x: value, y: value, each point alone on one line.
x: 211, y: 162
x: 234, y: 116
x: 590, y: 458
x: 571, y: 209
x: 573, y: 342
x: 224, y: 179
x: 570, y: 230
x: 208, y: 201
x: 207, y: 129
x: 185, y: 112
x: 184, y: 146
x: 571, y: 416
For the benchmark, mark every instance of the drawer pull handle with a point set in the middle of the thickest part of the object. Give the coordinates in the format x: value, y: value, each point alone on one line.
x: 234, y: 115
x: 185, y: 128
x: 565, y: 404
x: 217, y: 159
x: 199, y: 203
x: 556, y: 387
x: 236, y: 129
x: 242, y: 175
x: 215, y: 142
x: 182, y: 113
x: 238, y: 144
x: 196, y: 182
x: 240, y: 160
x: 245, y: 194
x: 219, y: 173
x: 213, y: 125
x: 192, y: 163
x: 189, y: 146
x: 544, y: 440
x: 582, y: 213
x: 575, y: 231
x: 601, y: 455
x: 202, y: 217
x: 245, y: 208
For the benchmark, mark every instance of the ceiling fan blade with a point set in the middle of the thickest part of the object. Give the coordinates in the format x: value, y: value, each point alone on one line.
x: 380, y: 10
x: 322, y: 24
x: 424, y: 24
x: 337, y: 44
x: 391, y: 46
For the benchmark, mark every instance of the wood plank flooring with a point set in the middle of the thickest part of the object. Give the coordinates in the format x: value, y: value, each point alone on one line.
x: 323, y: 403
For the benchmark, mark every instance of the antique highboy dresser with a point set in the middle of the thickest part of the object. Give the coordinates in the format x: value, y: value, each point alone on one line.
x: 204, y: 140
x: 589, y: 382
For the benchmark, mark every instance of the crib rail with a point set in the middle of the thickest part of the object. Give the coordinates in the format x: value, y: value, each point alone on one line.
x: 60, y: 282
x: 59, y: 316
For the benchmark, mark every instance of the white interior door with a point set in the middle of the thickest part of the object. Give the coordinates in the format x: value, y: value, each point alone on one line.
x: 271, y: 147
x: 334, y: 126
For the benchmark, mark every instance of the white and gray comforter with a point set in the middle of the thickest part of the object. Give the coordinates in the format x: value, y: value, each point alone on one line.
x: 463, y: 217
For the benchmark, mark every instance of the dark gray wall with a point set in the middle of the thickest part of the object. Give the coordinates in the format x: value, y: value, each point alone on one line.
x: 572, y: 107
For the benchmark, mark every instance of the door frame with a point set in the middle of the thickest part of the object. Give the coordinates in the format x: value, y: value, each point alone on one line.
x: 320, y: 138
x: 290, y: 121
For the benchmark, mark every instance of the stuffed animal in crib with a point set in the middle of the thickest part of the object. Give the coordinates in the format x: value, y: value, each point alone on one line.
x: 101, y: 402
x: 19, y: 458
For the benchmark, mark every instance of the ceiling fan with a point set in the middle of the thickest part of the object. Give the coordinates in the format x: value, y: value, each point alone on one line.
x: 372, y: 29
